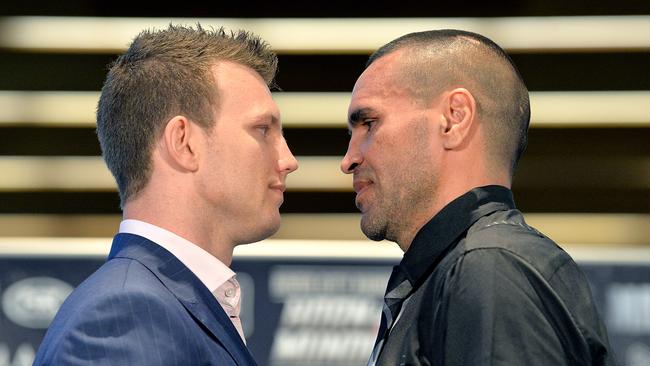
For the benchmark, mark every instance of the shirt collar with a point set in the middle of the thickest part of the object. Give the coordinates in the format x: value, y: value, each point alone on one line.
x: 444, y: 229
x: 209, y: 270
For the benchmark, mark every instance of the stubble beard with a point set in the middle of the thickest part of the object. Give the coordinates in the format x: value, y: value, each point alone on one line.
x: 391, y: 217
x: 373, y: 227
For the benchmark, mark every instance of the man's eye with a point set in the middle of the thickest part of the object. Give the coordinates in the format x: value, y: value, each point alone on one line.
x: 263, y: 129
x: 368, y: 123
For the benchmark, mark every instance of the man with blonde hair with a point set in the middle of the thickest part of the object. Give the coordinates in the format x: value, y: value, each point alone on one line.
x: 193, y: 138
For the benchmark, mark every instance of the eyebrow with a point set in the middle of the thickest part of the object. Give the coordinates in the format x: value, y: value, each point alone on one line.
x: 273, y: 118
x: 358, y: 115
x: 275, y: 121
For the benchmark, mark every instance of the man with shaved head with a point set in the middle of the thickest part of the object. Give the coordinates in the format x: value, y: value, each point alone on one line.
x: 438, y: 121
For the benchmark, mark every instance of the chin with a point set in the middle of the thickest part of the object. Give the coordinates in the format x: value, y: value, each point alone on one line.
x: 263, y: 230
x: 273, y: 227
x: 372, y: 229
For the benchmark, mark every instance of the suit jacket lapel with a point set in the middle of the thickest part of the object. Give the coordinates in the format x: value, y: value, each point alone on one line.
x: 189, y: 290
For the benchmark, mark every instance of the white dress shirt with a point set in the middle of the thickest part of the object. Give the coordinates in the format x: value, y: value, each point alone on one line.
x: 213, y: 273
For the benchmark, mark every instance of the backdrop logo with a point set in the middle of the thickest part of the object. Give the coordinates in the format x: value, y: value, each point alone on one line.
x: 33, y: 302
x: 330, y: 314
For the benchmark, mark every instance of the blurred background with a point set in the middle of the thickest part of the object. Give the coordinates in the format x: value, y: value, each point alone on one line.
x: 315, y: 288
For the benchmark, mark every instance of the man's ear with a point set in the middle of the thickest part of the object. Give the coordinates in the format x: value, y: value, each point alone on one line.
x: 180, y: 142
x: 459, y: 115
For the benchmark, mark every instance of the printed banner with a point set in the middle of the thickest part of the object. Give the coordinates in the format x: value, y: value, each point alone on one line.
x: 300, y: 312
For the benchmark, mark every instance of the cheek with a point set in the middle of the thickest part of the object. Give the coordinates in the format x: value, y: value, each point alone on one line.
x: 396, y: 160
x: 385, y: 152
x: 259, y: 164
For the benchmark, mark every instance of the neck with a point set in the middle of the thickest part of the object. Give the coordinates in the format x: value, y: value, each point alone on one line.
x: 457, y: 187
x: 174, y: 216
x: 418, y: 220
x: 405, y: 237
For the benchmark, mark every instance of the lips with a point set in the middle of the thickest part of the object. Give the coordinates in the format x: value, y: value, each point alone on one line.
x: 278, y: 186
x: 361, y: 185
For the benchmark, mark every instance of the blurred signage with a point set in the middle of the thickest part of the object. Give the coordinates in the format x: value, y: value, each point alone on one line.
x: 305, y: 312
x: 622, y: 293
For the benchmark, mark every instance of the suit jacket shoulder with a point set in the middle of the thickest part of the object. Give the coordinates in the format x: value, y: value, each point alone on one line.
x: 143, y: 307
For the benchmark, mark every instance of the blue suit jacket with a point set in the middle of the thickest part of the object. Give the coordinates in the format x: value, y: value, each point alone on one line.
x: 142, y: 307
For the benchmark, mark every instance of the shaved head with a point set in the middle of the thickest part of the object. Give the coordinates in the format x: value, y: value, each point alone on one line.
x: 440, y: 60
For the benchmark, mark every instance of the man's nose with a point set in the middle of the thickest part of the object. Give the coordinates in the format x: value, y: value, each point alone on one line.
x: 287, y: 162
x: 351, y: 159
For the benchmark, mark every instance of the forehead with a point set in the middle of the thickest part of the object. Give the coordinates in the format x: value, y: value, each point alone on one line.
x: 381, y: 73
x: 383, y: 80
x: 242, y: 90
